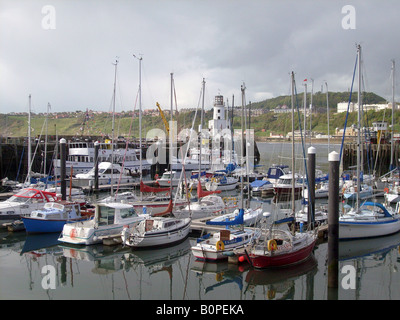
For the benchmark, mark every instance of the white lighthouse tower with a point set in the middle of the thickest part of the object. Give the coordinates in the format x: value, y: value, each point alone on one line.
x: 218, y: 123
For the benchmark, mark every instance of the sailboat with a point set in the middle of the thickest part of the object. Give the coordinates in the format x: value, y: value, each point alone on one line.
x: 371, y: 219
x: 225, y: 242
x: 277, y: 247
x: 158, y: 231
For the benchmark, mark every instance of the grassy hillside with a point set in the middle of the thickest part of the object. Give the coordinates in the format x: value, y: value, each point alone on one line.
x: 126, y: 125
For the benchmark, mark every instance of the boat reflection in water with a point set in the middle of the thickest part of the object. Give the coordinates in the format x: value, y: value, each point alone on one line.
x: 373, y: 266
x: 281, y: 281
x: 46, y: 243
x: 353, y: 249
x: 223, y: 272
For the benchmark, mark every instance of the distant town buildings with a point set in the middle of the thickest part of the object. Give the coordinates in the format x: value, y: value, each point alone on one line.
x: 353, y: 107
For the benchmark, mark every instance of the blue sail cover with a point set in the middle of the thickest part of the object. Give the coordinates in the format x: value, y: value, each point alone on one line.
x: 238, y: 220
x: 379, y: 205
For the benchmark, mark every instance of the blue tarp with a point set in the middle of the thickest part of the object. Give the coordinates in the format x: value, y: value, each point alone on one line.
x: 259, y: 183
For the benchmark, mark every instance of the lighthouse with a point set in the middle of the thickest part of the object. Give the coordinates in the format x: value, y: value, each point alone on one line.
x: 218, y: 123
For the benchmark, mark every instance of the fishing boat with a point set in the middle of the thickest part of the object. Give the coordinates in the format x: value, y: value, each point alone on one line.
x: 53, y: 217
x: 107, y: 173
x: 23, y: 203
x: 109, y: 220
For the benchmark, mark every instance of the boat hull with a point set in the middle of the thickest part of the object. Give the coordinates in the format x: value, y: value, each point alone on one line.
x: 208, y: 251
x: 87, y: 233
x: 287, y: 191
x: 281, y: 260
x: 367, y: 229
x: 161, y: 239
x: 33, y: 225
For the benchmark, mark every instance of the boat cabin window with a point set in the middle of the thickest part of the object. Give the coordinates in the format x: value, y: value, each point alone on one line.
x: 106, y: 215
x: 169, y: 224
x: 115, y: 171
x: 128, y: 213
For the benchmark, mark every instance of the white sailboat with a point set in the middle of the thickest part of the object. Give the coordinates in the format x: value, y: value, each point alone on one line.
x: 371, y: 219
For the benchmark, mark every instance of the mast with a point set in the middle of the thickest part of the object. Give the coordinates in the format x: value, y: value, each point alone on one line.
x: 327, y: 111
x: 201, y: 133
x: 113, y: 127
x: 305, y: 110
x: 292, y: 102
x: 358, y: 125
x: 243, y: 88
x: 140, y: 113
x: 171, y: 133
x: 233, y: 143
x: 393, y: 106
x: 29, y: 142
x: 45, y: 142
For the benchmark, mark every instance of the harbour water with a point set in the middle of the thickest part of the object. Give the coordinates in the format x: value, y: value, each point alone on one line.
x: 368, y: 269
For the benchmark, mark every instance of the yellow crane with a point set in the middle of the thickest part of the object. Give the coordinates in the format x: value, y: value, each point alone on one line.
x: 163, y: 118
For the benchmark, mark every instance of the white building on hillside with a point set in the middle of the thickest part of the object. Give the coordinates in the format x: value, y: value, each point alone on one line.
x: 342, y: 106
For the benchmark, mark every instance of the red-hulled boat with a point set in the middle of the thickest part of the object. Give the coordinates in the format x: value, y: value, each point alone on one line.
x: 278, y: 248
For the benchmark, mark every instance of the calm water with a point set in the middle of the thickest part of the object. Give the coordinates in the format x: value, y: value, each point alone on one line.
x: 117, y: 273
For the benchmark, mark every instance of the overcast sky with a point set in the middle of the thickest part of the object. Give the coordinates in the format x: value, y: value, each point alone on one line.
x: 64, y: 54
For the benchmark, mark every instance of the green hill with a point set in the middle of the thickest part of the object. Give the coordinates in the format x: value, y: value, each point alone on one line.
x: 126, y: 125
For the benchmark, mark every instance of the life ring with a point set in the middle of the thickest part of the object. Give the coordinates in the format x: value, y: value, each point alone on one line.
x: 220, y: 245
x: 386, y: 190
x: 73, y: 233
x: 272, y: 246
x: 156, y: 176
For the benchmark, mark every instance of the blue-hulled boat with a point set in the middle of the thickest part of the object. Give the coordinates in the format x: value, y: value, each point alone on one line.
x: 53, y: 217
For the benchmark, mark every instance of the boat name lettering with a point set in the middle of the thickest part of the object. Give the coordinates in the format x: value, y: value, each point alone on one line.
x: 238, y: 239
